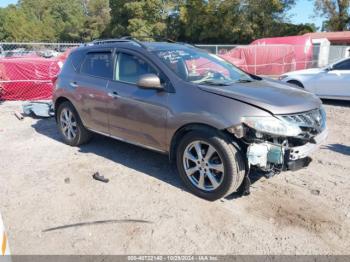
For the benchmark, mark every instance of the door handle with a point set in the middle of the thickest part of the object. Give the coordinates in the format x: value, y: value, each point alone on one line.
x: 73, y: 84
x: 113, y: 94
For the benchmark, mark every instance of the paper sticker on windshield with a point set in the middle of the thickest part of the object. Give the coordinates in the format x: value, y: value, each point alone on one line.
x: 173, y: 56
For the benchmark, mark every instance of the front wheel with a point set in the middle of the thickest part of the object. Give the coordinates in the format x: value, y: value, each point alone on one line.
x: 210, y: 165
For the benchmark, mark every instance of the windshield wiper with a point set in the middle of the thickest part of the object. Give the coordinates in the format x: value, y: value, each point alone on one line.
x: 244, y: 80
x: 214, y: 83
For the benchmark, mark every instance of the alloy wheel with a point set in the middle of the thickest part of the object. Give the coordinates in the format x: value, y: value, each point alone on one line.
x: 203, y: 165
x: 68, y: 124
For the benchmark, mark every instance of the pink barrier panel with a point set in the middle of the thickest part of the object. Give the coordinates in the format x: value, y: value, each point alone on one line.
x: 29, y: 77
x: 273, y: 56
x: 263, y: 60
x: 302, y: 45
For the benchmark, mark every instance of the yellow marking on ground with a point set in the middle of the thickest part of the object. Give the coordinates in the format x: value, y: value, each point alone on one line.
x: 4, y: 242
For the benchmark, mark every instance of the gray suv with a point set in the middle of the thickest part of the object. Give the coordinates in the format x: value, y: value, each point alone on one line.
x: 214, y: 120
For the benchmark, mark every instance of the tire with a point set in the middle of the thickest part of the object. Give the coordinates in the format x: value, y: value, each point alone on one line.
x: 229, y: 165
x: 295, y: 83
x: 81, y: 134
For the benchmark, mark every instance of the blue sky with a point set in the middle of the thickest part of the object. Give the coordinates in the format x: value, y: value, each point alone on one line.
x: 7, y: 2
x: 300, y: 13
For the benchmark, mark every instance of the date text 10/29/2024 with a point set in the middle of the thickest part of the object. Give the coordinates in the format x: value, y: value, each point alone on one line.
x: 173, y: 258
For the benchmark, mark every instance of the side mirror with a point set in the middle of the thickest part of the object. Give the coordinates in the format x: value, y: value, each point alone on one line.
x: 329, y: 68
x: 149, y: 81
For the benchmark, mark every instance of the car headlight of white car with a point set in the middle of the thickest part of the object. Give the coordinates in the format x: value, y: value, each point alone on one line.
x: 272, y: 125
x: 282, y: 77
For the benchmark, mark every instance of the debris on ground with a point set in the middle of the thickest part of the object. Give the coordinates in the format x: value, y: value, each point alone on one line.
x: 39, y: 108
x: 67, y: 180
x: 18, y: 115
x: 98, y: 177
x: 315, y: 192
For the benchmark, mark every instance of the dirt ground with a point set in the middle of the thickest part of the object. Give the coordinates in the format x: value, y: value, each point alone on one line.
x: 51, y: 205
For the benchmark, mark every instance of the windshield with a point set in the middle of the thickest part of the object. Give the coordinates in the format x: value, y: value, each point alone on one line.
x: 196, y: 66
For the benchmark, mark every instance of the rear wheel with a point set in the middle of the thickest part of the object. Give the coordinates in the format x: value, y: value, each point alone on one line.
x: 70, y: 126
x: 209, y: 165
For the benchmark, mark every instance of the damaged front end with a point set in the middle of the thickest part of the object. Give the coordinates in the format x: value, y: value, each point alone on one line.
x: 281, y: 142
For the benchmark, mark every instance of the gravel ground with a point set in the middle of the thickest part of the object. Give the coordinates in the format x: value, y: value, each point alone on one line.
x: 51, y: 205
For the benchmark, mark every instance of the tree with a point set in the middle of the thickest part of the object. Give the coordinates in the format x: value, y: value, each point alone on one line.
x: 337, y: 13
x: 137, y: 18
x: 51, y: 20
x: 215, y: 21
x: 16, y: 27
x: 54, y: 19
x: 231, y: 21
x: 288, y: 29
x: 196, y: 21
x: 97, y: 19
x: 260, y: 17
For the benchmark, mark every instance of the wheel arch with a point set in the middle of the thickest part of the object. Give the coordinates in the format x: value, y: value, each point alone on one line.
x: 60, y: 100
x: 183, y: 130
x: 296, y: 82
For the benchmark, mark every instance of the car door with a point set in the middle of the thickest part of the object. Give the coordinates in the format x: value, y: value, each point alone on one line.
x: 95, y: 72
x: 137, y: 115
x: 335, y: 82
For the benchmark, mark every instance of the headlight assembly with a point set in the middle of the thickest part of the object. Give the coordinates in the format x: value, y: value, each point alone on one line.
x: 271, y: 125
x: 282, y: 77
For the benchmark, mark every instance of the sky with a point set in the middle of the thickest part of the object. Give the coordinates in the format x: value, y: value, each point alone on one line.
x: 300, y: 13
x: 4, y: 3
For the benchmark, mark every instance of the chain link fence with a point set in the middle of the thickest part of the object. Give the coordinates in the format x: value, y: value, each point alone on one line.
x: 271, y: 60
x: 28, y: 70
x: 12, y: 49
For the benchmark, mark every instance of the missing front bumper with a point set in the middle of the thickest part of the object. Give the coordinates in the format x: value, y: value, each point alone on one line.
x: 303, y: 151
x: 268, y: 156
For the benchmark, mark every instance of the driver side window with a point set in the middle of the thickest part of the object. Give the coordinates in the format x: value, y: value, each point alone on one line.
x: 129, y: 68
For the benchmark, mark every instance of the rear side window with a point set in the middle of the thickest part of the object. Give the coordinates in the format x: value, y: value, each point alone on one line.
x: 76, y: 59
x: 98, y: 64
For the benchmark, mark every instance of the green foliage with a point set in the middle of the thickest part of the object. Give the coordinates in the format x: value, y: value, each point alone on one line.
x: 288, y: 29
x: 196, y: 21
x: 97, y: 19
x: 137, y: 18
x: 51, y: 20
x: 231, y: 21
x: 337, y: 13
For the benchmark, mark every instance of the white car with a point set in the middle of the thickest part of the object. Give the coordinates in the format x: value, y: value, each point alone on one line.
x: 331, y: 82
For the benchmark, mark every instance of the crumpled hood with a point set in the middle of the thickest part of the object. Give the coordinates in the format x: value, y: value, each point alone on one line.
x: 273, y: 96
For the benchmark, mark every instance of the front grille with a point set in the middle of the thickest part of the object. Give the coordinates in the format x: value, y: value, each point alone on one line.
x: 311, y: 123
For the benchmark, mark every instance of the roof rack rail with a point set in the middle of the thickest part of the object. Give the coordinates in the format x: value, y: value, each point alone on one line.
x: 148, y: 37
x: 186, y: 44
x: 130, y: 38
x: 160, y: 38
x: 116, y: 40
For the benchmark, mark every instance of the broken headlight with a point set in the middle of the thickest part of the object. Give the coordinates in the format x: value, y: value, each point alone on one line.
x: 271, y: 125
